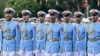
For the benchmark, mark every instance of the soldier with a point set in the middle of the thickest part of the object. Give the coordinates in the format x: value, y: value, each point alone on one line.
x: 68, y: 35
x: 28, y: 35
x: 86, y: 22
x: 40, y: 34
x: 94, y: 34
x: 20, y: 20
x: 47, y: 21
x: 33, y: 21
x: 81, y: 35
x: 10, y: 34
x: 53, y: 35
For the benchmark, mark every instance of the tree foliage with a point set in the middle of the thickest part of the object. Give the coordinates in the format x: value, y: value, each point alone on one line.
x: 35, y: 5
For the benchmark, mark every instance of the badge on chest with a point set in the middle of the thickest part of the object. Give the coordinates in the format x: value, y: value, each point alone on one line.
x: 38, y: 30
x: 24, y: 30
x: 5, y: 30
x: 48, y: 31
x: 90, y: 31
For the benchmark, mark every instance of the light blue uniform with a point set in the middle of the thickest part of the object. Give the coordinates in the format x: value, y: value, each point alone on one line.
x: 28, y: 35
x: 40, y: 39
x: 67, y: 40
x: 9, y: 37
x: 94, y: 39
x: 54, y: 33
x: 81, y: 40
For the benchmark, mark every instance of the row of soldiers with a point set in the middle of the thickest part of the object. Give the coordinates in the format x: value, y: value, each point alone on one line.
x: 47, y: 37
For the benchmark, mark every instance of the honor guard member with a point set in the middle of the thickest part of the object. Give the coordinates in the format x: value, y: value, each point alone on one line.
x: 20, y: 20
x: 86, y: 22
x: 47, y: 19
x: 28, y: 35
x: 40, y: 34
x: 94, y: 34
x: 68, y: 35
x: 10, y: 34
x: 33, y: 21
x: 81, y: 35
x: 53, y: 35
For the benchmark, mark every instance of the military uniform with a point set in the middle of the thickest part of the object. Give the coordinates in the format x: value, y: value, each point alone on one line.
x: 94, y: 36
x: 81, y: 37
x: 9, y: 36
x: 40, y: 39
x: 53, y: 37
x: 67, y: 40
x: 67, y: 47
x: 28, y: 35
x: 40, y: 35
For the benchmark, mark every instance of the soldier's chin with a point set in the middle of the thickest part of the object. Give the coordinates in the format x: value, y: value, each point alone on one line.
x: 78, y: 21
x: 8, y: 18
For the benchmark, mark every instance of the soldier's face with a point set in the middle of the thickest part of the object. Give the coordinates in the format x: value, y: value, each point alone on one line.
x: 52, y: 18
x: 9, y: 16
x: 66, y: 18
x: 47, y: 19
x: 41, y: 19
x: 94, y: 18
x: 26, y: 18
x: 78, y: 20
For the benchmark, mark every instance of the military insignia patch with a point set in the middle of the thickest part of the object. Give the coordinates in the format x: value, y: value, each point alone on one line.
x: 38, y: 30
x: 90, y: 31
x: 48, y: 31
x: 6, y: 29
x: 23, y: 31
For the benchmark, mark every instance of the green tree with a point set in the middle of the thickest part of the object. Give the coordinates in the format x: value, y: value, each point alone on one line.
x: 2, y: 6
x: 35, y: 5
x: 20, y: 5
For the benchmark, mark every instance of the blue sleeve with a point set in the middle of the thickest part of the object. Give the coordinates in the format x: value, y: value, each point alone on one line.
x: 34, y: 37
x: 61, y: 36
x: 18, y: 37
x: 74, y: 38
x: 86, y: 39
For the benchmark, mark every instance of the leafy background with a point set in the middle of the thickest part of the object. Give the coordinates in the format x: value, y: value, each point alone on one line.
x: 35, y: 5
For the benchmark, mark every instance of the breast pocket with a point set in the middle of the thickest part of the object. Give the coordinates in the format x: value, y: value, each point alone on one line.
x: 29, y: 33
x: 13, y: 32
